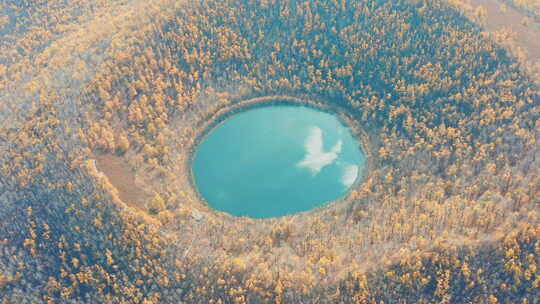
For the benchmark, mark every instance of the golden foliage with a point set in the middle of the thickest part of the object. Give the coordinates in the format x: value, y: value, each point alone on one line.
x: 447, y: 213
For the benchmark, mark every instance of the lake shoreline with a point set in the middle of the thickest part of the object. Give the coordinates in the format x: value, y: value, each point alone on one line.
x: 216, y: 117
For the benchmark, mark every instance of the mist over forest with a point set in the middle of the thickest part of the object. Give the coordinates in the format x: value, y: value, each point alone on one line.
x: 104, y: 103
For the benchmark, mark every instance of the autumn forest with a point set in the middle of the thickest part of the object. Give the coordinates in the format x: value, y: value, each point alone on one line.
x: 102, y: 104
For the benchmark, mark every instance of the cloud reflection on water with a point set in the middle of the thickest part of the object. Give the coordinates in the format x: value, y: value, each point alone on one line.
x: 349, y: 175
x: 315, y: 158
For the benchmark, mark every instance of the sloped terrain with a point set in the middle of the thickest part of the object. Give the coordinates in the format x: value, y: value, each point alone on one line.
x: 95, y: 96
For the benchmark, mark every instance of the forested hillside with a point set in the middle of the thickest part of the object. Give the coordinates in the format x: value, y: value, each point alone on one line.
x: 102, y: 104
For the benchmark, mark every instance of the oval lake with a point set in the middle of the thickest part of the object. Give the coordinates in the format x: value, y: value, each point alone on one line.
x: 276, y: 160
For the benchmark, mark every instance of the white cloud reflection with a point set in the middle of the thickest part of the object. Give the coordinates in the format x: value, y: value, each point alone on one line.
x: 315, y: 159
x: 349, y: 176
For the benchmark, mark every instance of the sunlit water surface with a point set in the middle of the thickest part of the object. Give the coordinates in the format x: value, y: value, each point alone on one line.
x: 275, y: 161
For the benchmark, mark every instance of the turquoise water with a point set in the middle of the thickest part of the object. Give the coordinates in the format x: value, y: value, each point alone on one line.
x: 277, y: 160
